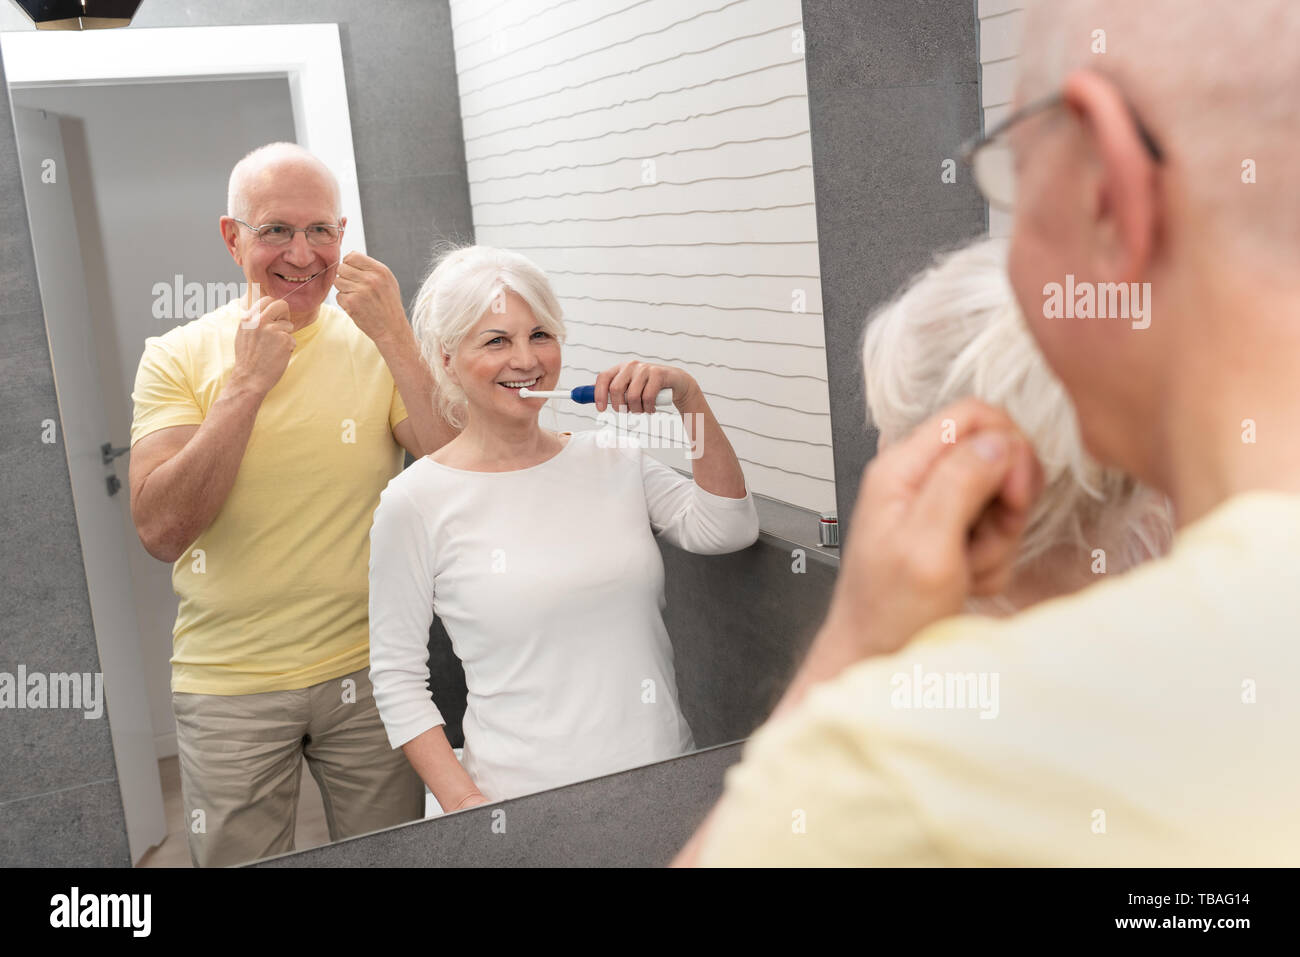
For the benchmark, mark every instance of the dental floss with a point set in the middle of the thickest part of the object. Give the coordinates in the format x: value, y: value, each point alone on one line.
x: 301, y: 286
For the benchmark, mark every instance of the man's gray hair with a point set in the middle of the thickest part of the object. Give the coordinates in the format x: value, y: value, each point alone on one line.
x: 1215, y: 82
x: 258, y: 160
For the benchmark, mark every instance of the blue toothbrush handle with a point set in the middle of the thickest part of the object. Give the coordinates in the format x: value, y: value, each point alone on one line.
x: 586, y: 395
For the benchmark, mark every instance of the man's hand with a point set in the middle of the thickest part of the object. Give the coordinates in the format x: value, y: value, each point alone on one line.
x: 938, y: 519
x: 263, y: 345
x: 369, y: 293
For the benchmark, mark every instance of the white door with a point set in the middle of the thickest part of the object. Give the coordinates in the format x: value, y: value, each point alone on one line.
x: 99, y: 514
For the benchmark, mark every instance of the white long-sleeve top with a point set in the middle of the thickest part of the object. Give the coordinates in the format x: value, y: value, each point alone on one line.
x: 550, y: 585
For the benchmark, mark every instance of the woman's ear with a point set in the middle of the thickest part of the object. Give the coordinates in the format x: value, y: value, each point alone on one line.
x: 449, y: 368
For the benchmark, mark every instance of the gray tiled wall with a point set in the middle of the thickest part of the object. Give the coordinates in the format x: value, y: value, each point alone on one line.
x: 58, y: 784
x: 893, y: 90
x: 740, y: 626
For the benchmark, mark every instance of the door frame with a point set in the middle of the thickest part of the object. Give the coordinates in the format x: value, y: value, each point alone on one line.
x: 309, y: 54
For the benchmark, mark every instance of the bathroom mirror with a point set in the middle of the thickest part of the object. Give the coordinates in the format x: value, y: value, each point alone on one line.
x: 654, y: 161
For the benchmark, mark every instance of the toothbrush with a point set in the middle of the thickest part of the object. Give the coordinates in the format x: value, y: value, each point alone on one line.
x: 586, y: 395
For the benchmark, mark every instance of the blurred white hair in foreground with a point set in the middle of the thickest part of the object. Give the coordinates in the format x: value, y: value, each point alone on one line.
x: 955, y: 331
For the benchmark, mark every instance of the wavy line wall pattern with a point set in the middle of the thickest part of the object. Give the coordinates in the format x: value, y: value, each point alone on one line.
x: 653, y: 156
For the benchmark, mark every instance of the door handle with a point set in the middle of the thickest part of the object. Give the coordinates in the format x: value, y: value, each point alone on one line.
x: 109, y: 453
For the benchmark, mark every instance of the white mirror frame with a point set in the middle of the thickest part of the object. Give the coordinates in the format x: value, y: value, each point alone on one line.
x: 309, y: 54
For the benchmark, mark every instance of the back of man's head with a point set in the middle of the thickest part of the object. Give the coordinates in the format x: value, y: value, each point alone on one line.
x: 1156, y: 231
x: 1217, y: 81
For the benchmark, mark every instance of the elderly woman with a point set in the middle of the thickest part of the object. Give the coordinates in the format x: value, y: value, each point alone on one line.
x: 955, y: 331
x: 537, y: 550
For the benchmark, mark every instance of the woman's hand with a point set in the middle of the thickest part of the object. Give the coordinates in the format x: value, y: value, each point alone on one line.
x: 633, y: 385
x: 470, y: 801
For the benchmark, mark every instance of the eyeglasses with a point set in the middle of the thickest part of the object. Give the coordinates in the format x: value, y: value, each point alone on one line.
x: 992, y: 161
x: 281, y: 234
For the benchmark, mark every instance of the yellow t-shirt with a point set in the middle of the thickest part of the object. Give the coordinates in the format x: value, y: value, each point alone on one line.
x: 274, y: 593
x: 1148, y: 720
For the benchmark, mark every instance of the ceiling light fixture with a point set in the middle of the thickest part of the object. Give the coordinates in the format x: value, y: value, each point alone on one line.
x: 79, y: 14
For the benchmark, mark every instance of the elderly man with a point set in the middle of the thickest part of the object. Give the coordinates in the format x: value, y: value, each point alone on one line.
x: 262, y: 437
x: 1148, y: 719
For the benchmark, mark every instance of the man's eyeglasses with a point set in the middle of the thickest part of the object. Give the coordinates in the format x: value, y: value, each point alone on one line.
x: 993, y: 164
x: 280, y: 234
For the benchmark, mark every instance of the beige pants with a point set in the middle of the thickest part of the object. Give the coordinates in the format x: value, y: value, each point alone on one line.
x: 241, y: 764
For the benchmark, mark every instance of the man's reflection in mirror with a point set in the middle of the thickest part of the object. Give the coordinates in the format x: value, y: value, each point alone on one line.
x: 263, y: 434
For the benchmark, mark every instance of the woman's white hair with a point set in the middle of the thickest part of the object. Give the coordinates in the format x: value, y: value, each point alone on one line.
x: 463, y: 286
x: 955, y: 331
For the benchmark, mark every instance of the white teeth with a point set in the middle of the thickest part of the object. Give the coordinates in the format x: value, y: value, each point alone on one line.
x: 520, y: 385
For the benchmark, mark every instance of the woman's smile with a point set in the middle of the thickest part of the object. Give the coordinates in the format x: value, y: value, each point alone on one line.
x: 520, y: 383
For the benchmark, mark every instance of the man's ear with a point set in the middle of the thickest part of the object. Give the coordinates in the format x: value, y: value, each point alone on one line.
x: 230, y: 236
x: 1127, y: 204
